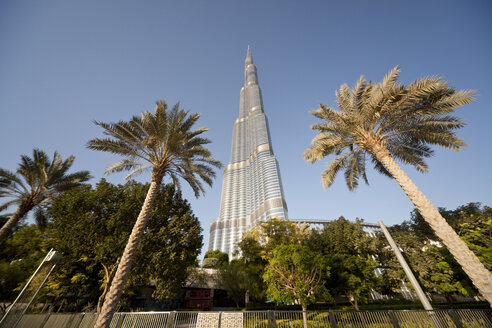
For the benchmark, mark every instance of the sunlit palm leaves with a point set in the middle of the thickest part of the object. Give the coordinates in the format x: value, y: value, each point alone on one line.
x: 403, y: 119
x: 162, y: 142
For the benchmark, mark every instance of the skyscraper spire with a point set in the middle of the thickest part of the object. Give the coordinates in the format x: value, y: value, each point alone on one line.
x: 251, y: 189
x: 249, y: 58
x: 250, y: 76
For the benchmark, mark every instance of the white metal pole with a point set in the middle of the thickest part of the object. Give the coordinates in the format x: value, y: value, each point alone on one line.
x: 415, y: 284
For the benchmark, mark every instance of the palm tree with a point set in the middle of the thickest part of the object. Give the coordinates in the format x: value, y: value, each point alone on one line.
x: 164, y: 143
x: 386, y: 122
x: 36, y: 181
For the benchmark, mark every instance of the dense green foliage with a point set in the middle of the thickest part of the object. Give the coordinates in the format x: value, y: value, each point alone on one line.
x: 19, y: 257
x: 295, y: 273
x: 91, y: 226
x: 257, y: 246
x: 432, y: 265
x: 350, y: 253
x: 342, y: 246
x: 222, y: 258
x: 472, y: 222
x: 210, y: 263
x: 353, y: 256
x: 233, y: 277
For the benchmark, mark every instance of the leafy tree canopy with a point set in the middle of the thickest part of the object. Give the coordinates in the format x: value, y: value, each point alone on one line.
x: 234, y: 278
x: 295, y: 273
x: 274, y: 232
x: 350, y: 253
x: 210, y: 263
x: 433, y: 265
x: 257, y: 245
x: 223, y: 258
x: 91, y: 226
x: 19, y: 257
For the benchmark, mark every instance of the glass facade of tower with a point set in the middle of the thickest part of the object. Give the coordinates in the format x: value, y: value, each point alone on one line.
x: 251, y: 189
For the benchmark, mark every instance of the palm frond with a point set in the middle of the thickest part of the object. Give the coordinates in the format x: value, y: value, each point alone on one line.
x: 411, y: 152
x: 343, y: 98
x: 8, y: 204
x: 323, y: 145
x: 391, y: 77
x: 380, y: 168
x: 355, y: 169
x: 10, y: 181
x: 72, y: 180
x: 138, y: 170
x: 124, y: 165
x: 339, y: 163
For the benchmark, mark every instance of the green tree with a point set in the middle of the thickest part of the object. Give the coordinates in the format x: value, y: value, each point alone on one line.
x: 478, y: 236
x: 234, y: 278
x: 295, y: 274
x: 223, y: 258
x: 164, y: 143
x: 257, y: 245
x: 36, y: 181
x: 210, y: 263
x: 254, y: 263
x: 386, y: 122
x: 350, y: 253
x: 274, y: 232
x: 91, y: 227
x: 19, y: 257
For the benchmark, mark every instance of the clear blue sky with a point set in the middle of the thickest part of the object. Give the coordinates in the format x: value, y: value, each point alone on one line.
x: 66, y: 63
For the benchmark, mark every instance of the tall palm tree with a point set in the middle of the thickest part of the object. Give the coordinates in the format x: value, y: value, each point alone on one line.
x: 164, y: 143
x: 386, y: 122
x: 36, y: 181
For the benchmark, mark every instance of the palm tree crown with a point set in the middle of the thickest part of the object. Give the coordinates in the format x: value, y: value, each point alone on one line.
x: 36, y: 181
x: 162, y: 142
x: 404, y: 120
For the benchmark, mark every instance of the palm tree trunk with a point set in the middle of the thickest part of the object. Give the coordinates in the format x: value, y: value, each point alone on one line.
x: 14, y: 219
x: 119, y: 281
x: 479, y: 275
